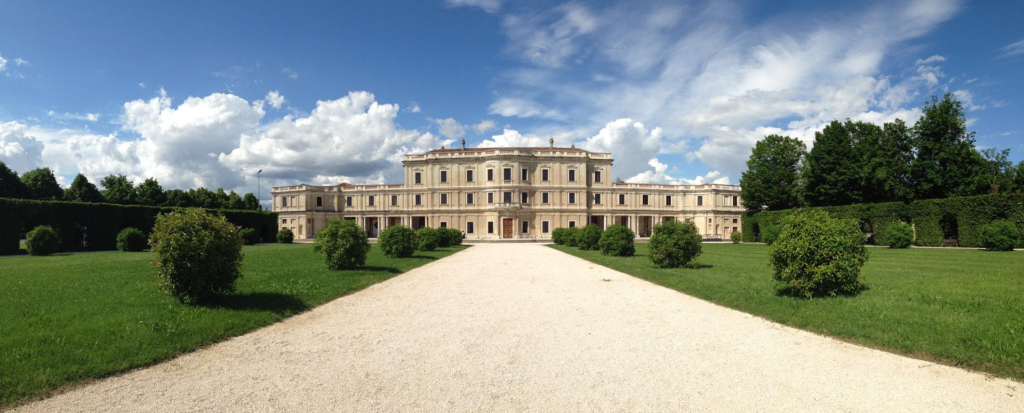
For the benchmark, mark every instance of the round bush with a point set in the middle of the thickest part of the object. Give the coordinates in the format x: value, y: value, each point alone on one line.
x: 818, y: 255
x: 736, y: 237
x: 896, y: 235
x: 560, y: 235
x: 427, y: 239
x: 42, y: 240
x: 131, y: 240
x: 617, y: 241
x: 674, y: 244
x: 197, y: 255
x: 397, y: 241
x: 572, y: 236
x: 285, y: 236
x: 249, y: 236
x: 1000, y: 235
x: 343, y: 244
x: 770, y: 234
x: 589, y: 237
x: 454, y: 237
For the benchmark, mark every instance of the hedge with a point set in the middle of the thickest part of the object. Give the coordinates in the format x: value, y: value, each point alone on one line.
x: 965, y: 215
x: 94, y: 227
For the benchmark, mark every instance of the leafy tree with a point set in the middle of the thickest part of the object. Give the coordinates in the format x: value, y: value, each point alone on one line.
x: 772, y: 180
x: 222, y: 198
x: 1018, y: 177
x: 234, y: 201
x: 885, y: 168
x: 10, y: 185
x: 833, y: 174
x: 118, y: 190
x: 999, y: 169
x: 203, y: 198
x: 42, y: 185
x: 947, y: 164
x: 150, y: 193
x: 250, y: 202
x: 81, y: 190
x: 178, y: 198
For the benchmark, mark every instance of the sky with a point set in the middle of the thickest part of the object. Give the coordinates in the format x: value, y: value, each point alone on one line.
x: 208, y: 93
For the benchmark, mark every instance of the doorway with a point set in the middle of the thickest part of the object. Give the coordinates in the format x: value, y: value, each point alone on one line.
x: 506, y: 230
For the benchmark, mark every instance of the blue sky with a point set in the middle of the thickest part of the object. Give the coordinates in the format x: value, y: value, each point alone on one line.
x: 201, y: 93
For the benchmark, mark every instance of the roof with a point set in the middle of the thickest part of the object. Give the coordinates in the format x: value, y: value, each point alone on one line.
x: 528, y: 148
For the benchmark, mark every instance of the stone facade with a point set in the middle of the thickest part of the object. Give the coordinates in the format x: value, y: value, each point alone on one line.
x: 509, y: 193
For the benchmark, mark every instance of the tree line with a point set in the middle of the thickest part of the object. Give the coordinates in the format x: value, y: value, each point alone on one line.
x: 41, y: 184
x: 860, y: 162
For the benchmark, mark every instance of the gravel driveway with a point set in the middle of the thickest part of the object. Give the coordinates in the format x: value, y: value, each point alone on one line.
x: 513, y: 327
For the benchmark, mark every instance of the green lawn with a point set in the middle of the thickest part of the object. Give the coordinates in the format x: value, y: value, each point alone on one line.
x: 957, y: 307
x: 68, y: 318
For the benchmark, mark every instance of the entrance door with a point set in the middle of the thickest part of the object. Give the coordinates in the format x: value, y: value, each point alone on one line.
x: 506, y: 231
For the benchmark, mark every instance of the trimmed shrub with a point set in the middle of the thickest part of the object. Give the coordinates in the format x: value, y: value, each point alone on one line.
x: 617, y: 241
x: 131, y: 240
x: 589, y: 237
x: 42, y: 240
x: 1000, y: 235
x: 397, y: 241
x: 896, y: 235
x: 818, y: 255
x: 285, y: 236
x: 427, y: 239
x: 736, y: 237
x: 770, y: 234
x: 197, y: 255
x: 343, y: 244
x: 454, y: 237
x: 675, y: 244
x: 572, y: 236
x: 561, y: 236
x: 249, y: 236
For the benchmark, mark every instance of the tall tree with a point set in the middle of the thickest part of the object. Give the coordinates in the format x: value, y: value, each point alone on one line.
x: 221, y: 199
x: 42, y: 185
x: 178, y: 198
x: 234, y: 201
x: 251, y: 203
x: 81, y: 190
x: 10, y: 185
x: 885, y: 168
x: 149, y: 192
x: 999, y: 171
x: 1018, y: 177
x: 203, y: 198
x: 833, y: 174
x: 946, y: 164
x: 118, y: 190
x: 772, y: 180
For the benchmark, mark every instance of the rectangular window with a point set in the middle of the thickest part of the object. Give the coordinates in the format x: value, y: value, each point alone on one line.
x: 319, y: 201
x: 644, y: 200
x: 284, y: 221
x: 444, y: 199
x: 419, y: 200
x: 507, y: 197
x: 444, y: 224
x: 469, y: 198
x: 572, y: 175
x: 622, y: 199
x: 735, y: 221
x: 544, y: 175
x: 370, y: 200
x: 508, y: 174
x: 526, y: 226
x: 444, y: 176
x: 394, y: 200
x: 524, y: 174
x: 284, y: 201
x: 700, y: 200
x: 735, y: 201
x: 469, y: 227
x: 544, y: 197
x: 544, y: 227
x: 597, y: 199
x: 490, y: 227
x: 490, y: 174
x: 524, y: 197
x: 469, y: 176
x: 572, y: 224
x: 418, y: 180
x: 572, y: 197
x: 668, y: 200
x: 348, y: 201
x: 597, y: 176
x: 490, y: 197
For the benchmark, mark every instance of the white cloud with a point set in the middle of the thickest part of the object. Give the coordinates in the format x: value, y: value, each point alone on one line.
x: 659, y: 175
x: 967, y: 100
x: 3, y: 63
x: 89, y: 117
x: 293, y: 75
x: 415, y: 108
x: 522, y: 108
x: 274, y: 99
x: 932, y: 59
x: 512, y: 138
x: 549, y: 39
x: 490, y: 6
x: 485, y: 125
x: 629, y: 141
x: 142, y: 85
x: 1011, y: 49
x: 19, y: 151
x: 22, y: 62
x: 449, y: 128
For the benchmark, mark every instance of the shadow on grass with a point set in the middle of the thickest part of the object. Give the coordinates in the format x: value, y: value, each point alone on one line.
x: 424, y: 257
x: 785, y: 290
x: 274, y: 302
x: 389, y: 270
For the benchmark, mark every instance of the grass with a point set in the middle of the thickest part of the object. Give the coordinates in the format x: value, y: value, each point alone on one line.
x: 956, y: 307
x: 73, y: 317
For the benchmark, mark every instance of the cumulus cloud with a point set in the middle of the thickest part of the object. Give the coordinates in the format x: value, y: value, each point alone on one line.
x: 485, y: 125
x: 629, y: 141
x: 512, y: 138
x: 20, y: 152
x: 449, y: 128
x: 490, y: 6
x: 275, y: 99
x: 659, y: 175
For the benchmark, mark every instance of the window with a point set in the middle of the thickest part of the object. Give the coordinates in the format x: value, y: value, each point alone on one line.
x: 394, y: 200
x: 419, y: 199
x: 348, y: 201
x: 735, y: 221
x: 668, y: 200
x: 735, y: 201
x: 572, y: 224
x: 507, y: 197
x: 508, y: 174
x: 544, y: 227
x: 526, y: 226
x: 572, y: 175
x: 524, y: 174
x: 597, y: 199
x: 490, y: 174
x: 284, y: 201
x: 490, y: 197
x: 544, y: 175
x: 418, y: 180
x: 319, y: 201
x: 572, y: 197
x: 444, y: 199
x: 490, y: 227
x: 469, y: 198
x: 469, y: 227
x: 700, y: 200
x: 543, y: 197
x: 444, y: 176
x: 444, y: 224
x: 469, y: 176
x: 524, y: 197
x: 284, y: 221
x: 622, y: 199
x: 370, y: 200
x: 644, y: 200
x: 597, y: 176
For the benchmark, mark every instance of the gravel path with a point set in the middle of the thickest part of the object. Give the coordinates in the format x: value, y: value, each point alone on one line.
x: 512, y: 327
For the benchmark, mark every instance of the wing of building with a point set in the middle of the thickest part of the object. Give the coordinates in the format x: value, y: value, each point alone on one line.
x: 509, y: 193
